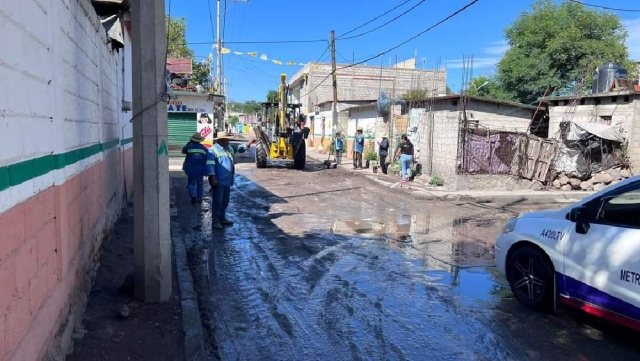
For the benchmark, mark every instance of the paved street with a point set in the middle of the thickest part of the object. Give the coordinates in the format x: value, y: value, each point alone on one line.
x: 327, y: 265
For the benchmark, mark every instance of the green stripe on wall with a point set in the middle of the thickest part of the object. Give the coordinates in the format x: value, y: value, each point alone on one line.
x: 14, y: 174
x: 126, y: 141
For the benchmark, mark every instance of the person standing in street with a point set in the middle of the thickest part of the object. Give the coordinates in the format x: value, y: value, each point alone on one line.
x: 338, y: 146
x: 405, y: 154
x: 221, y: 171
x: 358, y: 148
x: 383, y: 152
x: 195, y: 166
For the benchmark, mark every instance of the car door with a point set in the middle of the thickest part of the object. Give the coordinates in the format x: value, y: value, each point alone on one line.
x: 601, y: 255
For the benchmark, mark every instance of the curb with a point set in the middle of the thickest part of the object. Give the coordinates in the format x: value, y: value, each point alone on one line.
x: 191, y: 323
x: 427, y: 195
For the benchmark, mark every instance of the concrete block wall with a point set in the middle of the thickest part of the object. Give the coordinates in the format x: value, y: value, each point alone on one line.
x: 620, y: 112
x: 362, y: 82
x: 66, y: 161
x: 500, y: 117
x: 634, y: 139
x: 445, y: 145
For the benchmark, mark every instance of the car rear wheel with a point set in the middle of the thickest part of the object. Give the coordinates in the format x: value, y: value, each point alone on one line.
x: 530, y: 278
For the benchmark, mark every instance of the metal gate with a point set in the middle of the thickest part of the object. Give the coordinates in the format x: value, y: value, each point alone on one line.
x: 180, y: 127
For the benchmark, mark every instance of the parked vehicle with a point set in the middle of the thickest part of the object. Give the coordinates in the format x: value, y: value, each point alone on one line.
x: 586, y: 255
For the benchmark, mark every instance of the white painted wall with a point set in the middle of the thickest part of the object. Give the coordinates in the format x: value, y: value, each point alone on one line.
x: 62, y: 89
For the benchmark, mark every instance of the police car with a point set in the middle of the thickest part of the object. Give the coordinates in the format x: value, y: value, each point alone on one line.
x: 586, y: 255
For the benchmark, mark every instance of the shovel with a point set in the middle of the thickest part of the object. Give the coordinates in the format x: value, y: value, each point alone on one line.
x: 328, y: 161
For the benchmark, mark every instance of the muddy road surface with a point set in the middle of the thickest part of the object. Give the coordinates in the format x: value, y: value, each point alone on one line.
x: 324, y: 265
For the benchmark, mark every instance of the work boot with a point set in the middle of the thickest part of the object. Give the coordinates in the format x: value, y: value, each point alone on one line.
x: 217, y: 225
x: 193, y: 200
x: 226, y: 222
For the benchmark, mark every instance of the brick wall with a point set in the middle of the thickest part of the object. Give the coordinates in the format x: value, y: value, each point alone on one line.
x: 66, y: 159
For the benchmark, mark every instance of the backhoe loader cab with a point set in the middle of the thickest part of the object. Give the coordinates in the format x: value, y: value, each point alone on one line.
x: 279, y: 131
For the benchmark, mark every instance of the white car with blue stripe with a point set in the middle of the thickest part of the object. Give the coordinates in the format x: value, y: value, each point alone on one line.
x: 586, y: 255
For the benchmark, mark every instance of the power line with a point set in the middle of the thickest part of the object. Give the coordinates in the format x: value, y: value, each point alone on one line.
x: 399, y: 45
x: 213, y: 36
x: 374, y: 19
x: 605, y: 7
x: 385, y: 24
x: 263, y: 42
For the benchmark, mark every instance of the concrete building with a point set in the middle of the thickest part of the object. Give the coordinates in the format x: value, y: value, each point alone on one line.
x: 437, y: 123
x: 619, y: 109
x: 312, y: 84
x: 65, y: 165
x: 320, y: 121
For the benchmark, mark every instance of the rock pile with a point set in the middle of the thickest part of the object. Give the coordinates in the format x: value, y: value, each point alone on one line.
x: 597, y: 181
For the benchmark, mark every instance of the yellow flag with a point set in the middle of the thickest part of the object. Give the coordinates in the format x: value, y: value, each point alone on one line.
x: 277, y: 62
x: 291, y: 63
x: 225, y: 51
x: 253, y: 53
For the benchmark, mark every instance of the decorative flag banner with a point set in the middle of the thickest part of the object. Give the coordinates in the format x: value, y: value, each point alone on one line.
x: 254, y: 54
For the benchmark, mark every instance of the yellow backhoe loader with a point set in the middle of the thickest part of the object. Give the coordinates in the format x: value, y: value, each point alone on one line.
x: 280, y: 132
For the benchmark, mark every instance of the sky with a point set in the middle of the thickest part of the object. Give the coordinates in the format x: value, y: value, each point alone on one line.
x: 477, y: 31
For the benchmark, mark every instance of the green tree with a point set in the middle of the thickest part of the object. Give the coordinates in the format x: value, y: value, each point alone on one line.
x: 177, y: 40
x: 273, y: 96
x: 233, y: 120
x: 554, y: 44
x: 489, y: 87
x: 414, y: 94
x: 201, y: 73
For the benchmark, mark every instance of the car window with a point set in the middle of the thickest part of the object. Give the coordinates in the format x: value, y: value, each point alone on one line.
x: 622, y: 209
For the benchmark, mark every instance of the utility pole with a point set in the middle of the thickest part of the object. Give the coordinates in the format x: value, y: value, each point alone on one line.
x: 151, y: 233
x: 220, y: 122
x: 334, y: 115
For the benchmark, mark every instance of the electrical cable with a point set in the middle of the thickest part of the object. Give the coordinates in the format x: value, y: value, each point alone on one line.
x: 385, y: 24
x: 399, y: 45
x: 211, y: 22
x: 263, y: 42
x: 605, y: 7
x: 374, y: 19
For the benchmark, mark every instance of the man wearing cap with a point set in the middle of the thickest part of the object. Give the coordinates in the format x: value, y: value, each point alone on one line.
x: 383, y: 152
x: 195, y: 166
x: 358, y: 148
x: 221, y: 170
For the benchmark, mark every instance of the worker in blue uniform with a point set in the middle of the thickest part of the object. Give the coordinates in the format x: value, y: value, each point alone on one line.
x: 221, y: 170
x: 195, y: 166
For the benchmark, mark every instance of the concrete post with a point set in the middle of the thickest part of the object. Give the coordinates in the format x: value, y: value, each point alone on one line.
x: 152, y: 241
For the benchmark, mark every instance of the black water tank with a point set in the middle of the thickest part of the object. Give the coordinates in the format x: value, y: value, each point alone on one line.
x: 606, y: 74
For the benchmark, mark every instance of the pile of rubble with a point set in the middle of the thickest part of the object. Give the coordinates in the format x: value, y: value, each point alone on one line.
x: 597, y: 181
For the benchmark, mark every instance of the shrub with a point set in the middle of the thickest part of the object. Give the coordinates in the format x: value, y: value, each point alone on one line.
x: 437, y: 181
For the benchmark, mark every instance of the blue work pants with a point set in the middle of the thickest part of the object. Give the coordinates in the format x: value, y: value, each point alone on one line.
x: 219, y: 203
x: 196, y: 187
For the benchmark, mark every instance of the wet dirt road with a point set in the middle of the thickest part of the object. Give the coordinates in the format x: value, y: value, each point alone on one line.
x: 323, y: 265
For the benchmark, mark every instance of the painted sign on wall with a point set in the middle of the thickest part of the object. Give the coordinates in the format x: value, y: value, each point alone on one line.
x: 176, y: 106
x: 205, y: 128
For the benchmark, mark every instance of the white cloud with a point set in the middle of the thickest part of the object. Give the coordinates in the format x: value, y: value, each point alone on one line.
x: 497, y: 48
x: 491, y: 55
x: 633, y: 41
x: 478, y: 63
